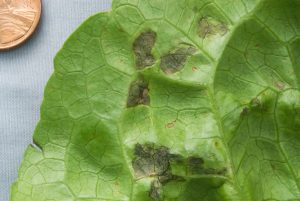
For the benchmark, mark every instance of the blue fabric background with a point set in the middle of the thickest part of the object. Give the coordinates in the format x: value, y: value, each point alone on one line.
x: 23, y: 74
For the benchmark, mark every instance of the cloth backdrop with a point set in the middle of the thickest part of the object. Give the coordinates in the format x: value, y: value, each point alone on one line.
x: 23, y: 75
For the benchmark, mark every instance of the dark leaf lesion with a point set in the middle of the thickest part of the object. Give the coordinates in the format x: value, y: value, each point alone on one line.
x: 138, y: 93
x: 208, y: 27
x: 175, y: 60
x: 195, y: 164
x: 142, y: 48
x: 150, y: 161
x: 155, y: 190
x: 155, y: 161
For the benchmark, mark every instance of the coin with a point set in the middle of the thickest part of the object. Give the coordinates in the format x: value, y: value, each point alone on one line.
x: 18, y: 20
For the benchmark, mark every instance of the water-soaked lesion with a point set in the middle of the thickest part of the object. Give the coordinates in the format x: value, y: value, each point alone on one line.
x: 142, y: 48
x: 138, y: 93
x: 176, y: 59
x: 157, y: 162
x: 208, y: 27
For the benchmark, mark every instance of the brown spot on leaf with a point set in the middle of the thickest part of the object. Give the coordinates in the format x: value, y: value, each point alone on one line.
x: 195, y: 165
x: 209, y: 26
x: 155, y: 190
x: 142, y: 48
x: 138, y: 94
x: 171, y: 124
x: 195, y: 69
x: 213, y: 171
x: 150, y: 161
x: 157, y: 162
x: 175, y: 60
x: 222, y: 171
x: 280, y: 85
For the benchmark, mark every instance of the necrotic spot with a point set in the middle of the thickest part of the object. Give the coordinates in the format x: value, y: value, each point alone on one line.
x: 195, y: 165
x: 155, y: 190
x: 213, y: 171
x: 174, y: 61
x: 150, y: 161
x: 142, y: 48
x: 153, y: 161
x: 209, y: 26
x: 138, y: 94
x: 157, y: 162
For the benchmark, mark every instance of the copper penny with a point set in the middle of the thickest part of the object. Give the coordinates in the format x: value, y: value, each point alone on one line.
x: 18, y: 20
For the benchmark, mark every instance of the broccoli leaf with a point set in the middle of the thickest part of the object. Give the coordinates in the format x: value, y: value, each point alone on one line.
x: 172, y: 100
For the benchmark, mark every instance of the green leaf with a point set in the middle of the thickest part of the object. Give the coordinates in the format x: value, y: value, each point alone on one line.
x: 172, y: 100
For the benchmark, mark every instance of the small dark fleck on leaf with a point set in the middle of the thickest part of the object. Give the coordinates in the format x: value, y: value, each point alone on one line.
x: 195, y: 69
x: 245, y: 112
x: 142, y: 48
x: 222, y: 171
x: 214, y: 171
x: 171, y: 124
